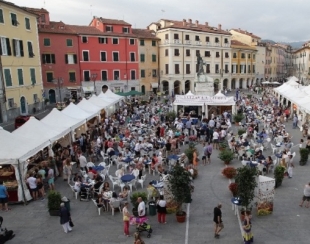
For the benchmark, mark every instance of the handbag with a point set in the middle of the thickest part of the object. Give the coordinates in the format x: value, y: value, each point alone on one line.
x: 71, y: 223
x: 221, y: 225
x: 125, y: 218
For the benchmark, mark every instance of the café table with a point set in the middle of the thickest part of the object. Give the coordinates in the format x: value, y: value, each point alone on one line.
x: 235, y: 203
x: 98, y: 168
x: 127, y: 178
x: 127, y: 160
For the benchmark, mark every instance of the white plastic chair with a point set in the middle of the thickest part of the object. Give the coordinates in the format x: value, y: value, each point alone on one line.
x: 74, y: 191
x: 115, y: 182
x: 132, y: 183
x: 136, y: 172
x: 98, y: 208
x: 114, y: 205
x: 141, y: 181
x: 102, y: 164
x: 90, y: 164
x: 273, y: 148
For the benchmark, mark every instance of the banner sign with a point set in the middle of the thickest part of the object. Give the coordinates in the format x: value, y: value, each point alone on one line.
x: 203, y: 99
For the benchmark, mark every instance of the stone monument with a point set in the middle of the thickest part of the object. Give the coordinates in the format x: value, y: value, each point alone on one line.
x: 204, y: 84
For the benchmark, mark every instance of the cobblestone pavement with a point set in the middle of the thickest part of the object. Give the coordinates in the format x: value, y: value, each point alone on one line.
x: 32, y: 223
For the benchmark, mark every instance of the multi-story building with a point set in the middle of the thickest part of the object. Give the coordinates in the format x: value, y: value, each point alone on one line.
x: 243, y: 65
x: 274, y: 62
x: 260, y: 63
x: 20, y: 57
x: 301, y: 64
x: 3, y: 117
x: 148, y: 59
x: 59, y: 58
x: 180, y: 43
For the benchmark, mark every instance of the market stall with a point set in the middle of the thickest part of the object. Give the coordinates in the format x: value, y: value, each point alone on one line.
x: 100, y: 103
x: 92, y: 108
x: 265, y: 195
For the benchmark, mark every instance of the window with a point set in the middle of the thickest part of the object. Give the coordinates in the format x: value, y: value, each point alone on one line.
x: 207, y: 54
x: 46, y: 42
x: 7, y: 77
x: 104, y: 75
x: 5, y: 46
x: 166, y: 52
x: 154, y: 73
x: 132, y: 57
x: 27, y: 23
x: 69, y: 43
x: 226, y: 68
x: 132, y: 41
x: 133, y: 74
x: 116, y: 74
x: 176, y: 52
x: 103, y: 56
x: 186, y: 37
x: 115, y: 41
x: 217, y: 70
x: 49, y: 76
x: 72, y: 76
x: 142, y: 57
x: 48, y: 59
x: 166, y: 37
x: 197, y: 38
x: 86, y: 74
x: 85, y: 56
x: 208, y: 68
x: 11, y: 103
x: 253, y: 68
x: 188, y: 68
x: 197, y: 53
x: 42, y: 18
x: 142, y: 73
x: 254, y: 56
x: 177, y: 69
x: 33, y: 76
x: 84, y: 39
x: 226, y: 55
x: 249, y: 55
x: 141, y: 42
x: 109, y: 28
x: 242, y: 55
x: 125, y: 30
x: 154, y: 43
x: 1, y: 16
x: 226, y: 41
x: 70, y: 58
x: 217, y: 40
x: 217, y: 54
x: 153, y: 57
x: 103, y: 40
x: 207, y: 39
x: 166, y: 69
x: 234, y: 55
x: 115, y: 57
x: 18, y: 48
x: 249, y: 68
x: 14, y: 19
x: 30, y: 50
x: 176, y: 36
x: 35, y: 98
x: 20, y: 77
x: 188, y: 52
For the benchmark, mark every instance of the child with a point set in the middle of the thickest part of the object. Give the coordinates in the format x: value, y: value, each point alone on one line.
x: 290, y: 170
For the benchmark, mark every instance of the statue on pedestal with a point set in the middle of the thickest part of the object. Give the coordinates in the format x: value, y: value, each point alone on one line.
x: 200, y: 64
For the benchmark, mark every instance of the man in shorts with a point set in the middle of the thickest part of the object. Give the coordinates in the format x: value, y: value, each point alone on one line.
x: 208, y: 152
x: 51, y: 177
x: 306, y: 196
x: 216, y: 139
x: 4, y: 196
x: 217, y: 219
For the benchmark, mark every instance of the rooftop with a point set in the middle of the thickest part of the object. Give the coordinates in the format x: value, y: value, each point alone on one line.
x: 112, y: 21
x: 144, y: 33
x: 246, y: 33
x: 16, y: 6
x: 56, y: 27
x: 86, y: 30
x: 41, y: 10
x: 241, y: 45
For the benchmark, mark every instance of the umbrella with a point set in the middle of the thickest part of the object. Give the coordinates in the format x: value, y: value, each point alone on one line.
x: 133, y: 93
x: 120, y: 93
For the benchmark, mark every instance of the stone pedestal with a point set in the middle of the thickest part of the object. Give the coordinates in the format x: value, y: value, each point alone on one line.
x: 204, y: 85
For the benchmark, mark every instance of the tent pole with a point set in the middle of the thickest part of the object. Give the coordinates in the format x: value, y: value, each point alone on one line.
x: 22, y: 185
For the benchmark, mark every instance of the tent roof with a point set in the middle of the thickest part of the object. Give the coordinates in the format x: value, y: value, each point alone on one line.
x: 88, y: 106
x: 98, y: 102
x: 76, y: 112
x: 294, y: 78
x: 109, y: 100
x: 219, y: 94
x: 109, y: 93
x: 189, y: 93
x: 292, y: 83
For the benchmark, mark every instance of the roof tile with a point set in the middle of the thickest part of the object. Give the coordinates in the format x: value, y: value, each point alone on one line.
x: 246, y: 33
x: 112, y: 21
x: 145, y: 33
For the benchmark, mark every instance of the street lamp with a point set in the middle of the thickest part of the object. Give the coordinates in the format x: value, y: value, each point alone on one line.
x: 93, y: 78
x: 58, y: 82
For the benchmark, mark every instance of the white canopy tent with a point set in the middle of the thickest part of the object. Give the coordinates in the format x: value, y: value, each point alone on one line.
x: 88, y: 106
x: 294, y: 78
x: 77, y: 113
x: 111, y: 94
x: 293, y: 83
x: 111, y: 100
x: 98, y: 102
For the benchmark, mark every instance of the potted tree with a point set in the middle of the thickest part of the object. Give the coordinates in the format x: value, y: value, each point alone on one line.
x: 189, y: 152
x: 246, y: 181
x: 134, y: 197
x: 226, y: 156
x: 304, y: 154
x: 233, y: 187
x: 241, y: 132
x: 223, y: 145
x: 229, y: 172
x: 46, y: 101
x: 179, y: 184
x: 171, y: 116
x: 279, y: 175
x: 238, y: 118
x: 54, y: 201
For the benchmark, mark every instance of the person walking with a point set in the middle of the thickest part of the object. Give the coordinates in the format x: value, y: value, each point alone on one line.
x: 138, y: 239
x: 208, y: 152
x: 32, y: 183
x: 195, y: 159
x: 161, y: 210
x: 126, y: 216
x: 141, y: 207
x: 65, y: 217
x: 247, y: 227
x: 51, y: 177
x: 217, y: 219
x: 4, y: 197
x: 306, y: 196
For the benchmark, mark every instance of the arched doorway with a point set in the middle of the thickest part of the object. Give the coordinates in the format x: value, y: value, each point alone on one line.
x: 143, y: 89
x: 23, y: 105
x: 52, y: 96
x: 233, y: 83
x: 165, y: 85
x: 176, y: 87
x: 187, y: 86
x: 104, y: 88
x: 216, y: 85
x: 225, y: 84
x: 240, y: 83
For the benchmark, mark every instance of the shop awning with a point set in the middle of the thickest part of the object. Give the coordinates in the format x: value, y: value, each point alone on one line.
x: 154, y: 85
x: 88, y: 88
x: 73, y: 87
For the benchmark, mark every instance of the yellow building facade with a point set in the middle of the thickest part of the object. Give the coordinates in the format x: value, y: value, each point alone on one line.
x: 148, y: 59
x: 20, y: 56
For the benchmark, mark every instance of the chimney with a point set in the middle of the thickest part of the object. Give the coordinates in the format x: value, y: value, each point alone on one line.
x: 190, y: 21
x: 220, y: 27
x: 184, y: 22
x: 207, y: 24
x: 197, y: 22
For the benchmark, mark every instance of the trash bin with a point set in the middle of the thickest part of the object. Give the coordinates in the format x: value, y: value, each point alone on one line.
x: 152, y: 207
x: 66, y: 201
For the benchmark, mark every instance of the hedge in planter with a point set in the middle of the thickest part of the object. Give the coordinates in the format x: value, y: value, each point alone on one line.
x: 279, y: 175
x: 304, y: 154
x: 241, y: 132
x: 229, y: 172
x: 238, y: 117
x: 233, y: 187
x: 54, y: 201
x: 226, y: 156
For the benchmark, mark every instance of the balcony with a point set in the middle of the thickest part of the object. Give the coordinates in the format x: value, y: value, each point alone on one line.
x: 226, y: 45
x: 166, y: 41
x: 208, y: 43
x: 187, y: 42
x: 197, y: 42
x: 217, y: 44
x: 176, y: 41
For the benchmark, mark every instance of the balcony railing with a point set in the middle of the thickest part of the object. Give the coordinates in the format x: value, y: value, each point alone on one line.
x: 198, y: 42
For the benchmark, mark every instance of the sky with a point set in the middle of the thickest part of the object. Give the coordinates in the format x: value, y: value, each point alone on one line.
x: 278, y: 20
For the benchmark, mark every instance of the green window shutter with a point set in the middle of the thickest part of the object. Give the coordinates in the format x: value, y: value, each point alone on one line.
x: 154, y: 43
x: 142, y: 58
x: 27, y: 22
x: 20, y: 77
x: 33, y: 76
x: 49, y: 77
x: 154, y: 58
x: 1, y: 16
x: 8, y: 77
x: 47, y: 42
x: 69, y: 43
x: 142, y: 73
x: 141, y: 42
x: 72, y: 76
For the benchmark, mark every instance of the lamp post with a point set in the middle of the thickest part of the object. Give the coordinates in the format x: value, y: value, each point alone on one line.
x: 58, y: 82
x: 93, y: 78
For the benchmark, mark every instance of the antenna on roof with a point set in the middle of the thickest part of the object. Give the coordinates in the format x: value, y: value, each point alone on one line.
x: 91, y: 11
x: 44, y: 3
